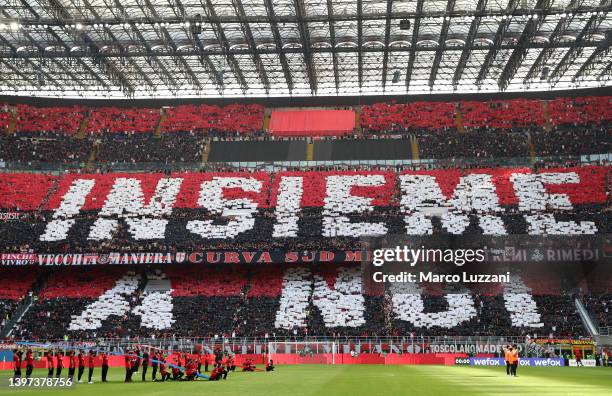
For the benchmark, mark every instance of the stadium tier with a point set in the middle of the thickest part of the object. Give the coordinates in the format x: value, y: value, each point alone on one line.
x: 235, y: 133
x: 68, y: 120
x: 379, y: 118
x: 278, y: 218
x: 278, y: 300
x: 295, y: 210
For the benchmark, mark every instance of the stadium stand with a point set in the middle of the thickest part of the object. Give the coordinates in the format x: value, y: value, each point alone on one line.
x: 214, y: 120
x: 509, y: 114
x: 580, y: 110
x: 474, y: 144
x: 502, y: 114
x: 65, y: 296
x: 76, y: 212
x: 283, y: 300
x: 201, y: 118
x: 60, y: 120
x: 379, y: 118
x: 256, y: 192
x: 5, y: 117
x: 491, y: 129
x: 573, y: 140
x: 206, y: 300
x: 393, y: 117
x: 140, y: 147
x: 15, y: 284
x: 600, y: 307
x: 103, y: 213
x: 112, y: 119
x: 48, y: 147
x: 7, y: 307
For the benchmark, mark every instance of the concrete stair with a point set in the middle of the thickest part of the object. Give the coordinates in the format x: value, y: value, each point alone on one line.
x: 12, y: 126
x: 206, y: 152
x: 358, y: 128
x: 531, y: 148
x: 310, y: 151
x: 93, y: 155
x: 83, y: 126
x: 266, y: 121
x: 160, y: 122
x: 459, y: 120
x: 547, y: 122
x: 414, y: 147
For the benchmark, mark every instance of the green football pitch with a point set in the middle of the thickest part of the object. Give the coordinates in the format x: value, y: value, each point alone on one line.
x: 355, y: 380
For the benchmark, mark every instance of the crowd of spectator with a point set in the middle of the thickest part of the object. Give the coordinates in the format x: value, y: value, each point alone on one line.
x: 15, y: 285
x: 590, y: 110
x: 113, y: 120
x: 135, y: 147
x: 5, y: 117
x: 37, y: 209
x: 44, y: 147
x: 495, y: 129
x: 477, y: 144
x: 393, y: 117
x: 184, y: 118
x: 501, y: 114
x: 7, y: 307
x: 496, y: 114
x: 246, y: 121
x: 59, y: 120
x: 232, y: 119
x: 233, y: 301
x: 247, y: 302
x: 51, y: 148
x: 600, y: 308
x: 573, y: 140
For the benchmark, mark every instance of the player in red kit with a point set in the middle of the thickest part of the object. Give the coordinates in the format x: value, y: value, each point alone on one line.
x: 128, y: 366
x: 215, y: 375
x: 156, y: 358
x: 162, y: 369
x: 145, y: 364
x: 104, y: 366
x: 190, y: 370
x: 578, y: 355
x: 198, y: 359
x: 71, y: 364
x: 81, y: 359
x: 49, y: 356
x: 231, y: 363
x: 177, y: 374
x: 136, y: 361
x: 29, y: 363
x: 270, y: 365
x: 17, y: 363
x: 206, y: 361
x: 90, y: 364
x: 59, y: 364
x: 218, y: 373
x: 248, y: 365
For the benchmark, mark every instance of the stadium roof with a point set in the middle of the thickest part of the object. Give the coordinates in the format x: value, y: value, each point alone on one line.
x: 236, y: 48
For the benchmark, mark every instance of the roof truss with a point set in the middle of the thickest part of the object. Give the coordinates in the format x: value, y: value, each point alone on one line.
x: 194, y: 48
